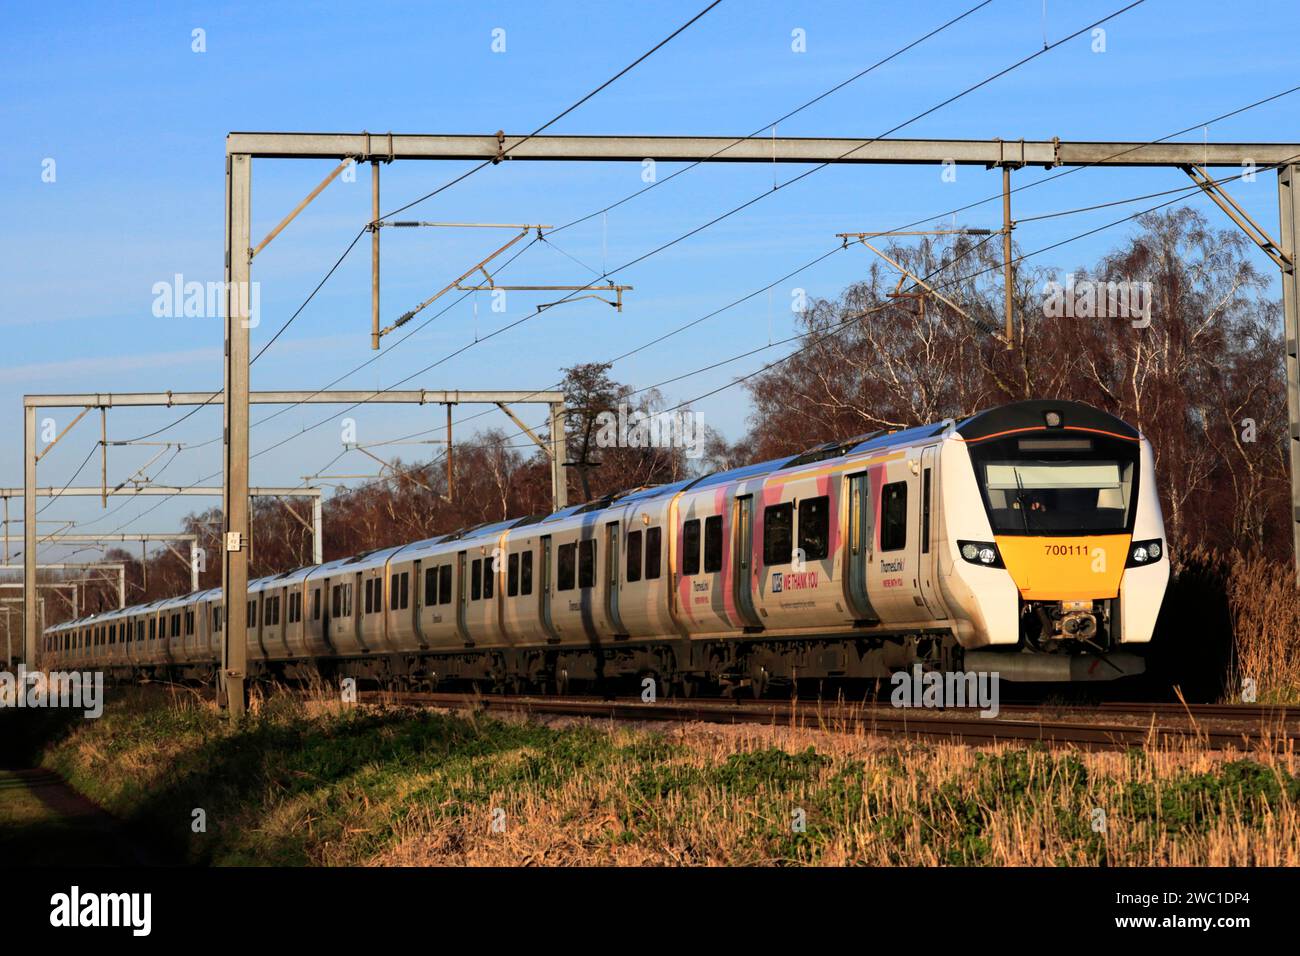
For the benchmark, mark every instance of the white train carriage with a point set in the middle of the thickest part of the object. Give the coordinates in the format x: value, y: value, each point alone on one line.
x: 1027, y: 539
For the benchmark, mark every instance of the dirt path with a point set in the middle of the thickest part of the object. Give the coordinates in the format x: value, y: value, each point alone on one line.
x: 44, y: 822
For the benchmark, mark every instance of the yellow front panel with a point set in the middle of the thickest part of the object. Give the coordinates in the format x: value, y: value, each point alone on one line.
x: 1075, y: 568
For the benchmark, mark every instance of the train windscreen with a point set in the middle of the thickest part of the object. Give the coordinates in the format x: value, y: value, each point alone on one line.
x: 1053, y: 485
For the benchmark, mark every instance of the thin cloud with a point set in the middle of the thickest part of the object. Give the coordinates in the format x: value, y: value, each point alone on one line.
x: 74, y: 369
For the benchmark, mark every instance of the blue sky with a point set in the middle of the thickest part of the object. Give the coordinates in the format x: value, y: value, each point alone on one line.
x: 135, y: 122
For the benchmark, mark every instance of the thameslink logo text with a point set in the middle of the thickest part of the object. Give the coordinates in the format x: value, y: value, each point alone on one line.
x: 75, y: 690
x: 946, y: 689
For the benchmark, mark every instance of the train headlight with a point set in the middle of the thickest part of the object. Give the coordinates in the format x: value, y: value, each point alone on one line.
x: 980, y: 552
x: 1145, y: 552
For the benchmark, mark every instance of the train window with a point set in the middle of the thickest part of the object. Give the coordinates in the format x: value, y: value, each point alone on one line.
x: 216, y: 618
x: 252, y: 613
x: 634, y: 556
x: 814, y: 527
x: 112, y: 633
x: 713, y: 544
x: 336, y: 600
x: 372, y: 595
x: 587, y: 563
x: 476, y: 580
x: 347, y: 600
x: 512, y: 575
x: 266, y: 611
x: 315, y: 604
x: 139, y: 630
x: 176, y: 625
x: 489, y: 576
x: 400, y: 586
x: 691, y: 547
x: 652, y: 553
x: 430, y: 586
x: 153, y: 629
x: 526, y: 573
x: 444, y: 584
x: 778, y: 533
x: 893, y: 516
x: 925, y: 512
x: 189, y: 622
x: 565, y: 565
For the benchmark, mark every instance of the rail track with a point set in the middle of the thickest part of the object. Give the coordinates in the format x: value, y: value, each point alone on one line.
x: 1216, y: 726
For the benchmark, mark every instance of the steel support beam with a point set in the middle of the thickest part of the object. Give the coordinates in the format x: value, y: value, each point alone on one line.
x: 317, y: 541
x: 69, y: 566
x: 31, y: 632
x: 168, y: 491
x: 63, y: 537
x: 1288, y: 187
x: 69, y: 538
x: 559, y: 479
x: 758, y: 149
x: 410, y: 396
x: 234, y: 483
x: 64, y: 565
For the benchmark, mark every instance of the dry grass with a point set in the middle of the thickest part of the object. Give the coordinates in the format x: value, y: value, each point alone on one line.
x: 727, y: 796
x: 1265, y: 606
x: 312, y: 783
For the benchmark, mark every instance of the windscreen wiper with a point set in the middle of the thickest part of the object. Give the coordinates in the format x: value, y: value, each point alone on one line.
x: 1020, y: 498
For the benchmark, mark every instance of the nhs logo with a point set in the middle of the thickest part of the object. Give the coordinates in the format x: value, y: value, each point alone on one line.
x: 776, y: 582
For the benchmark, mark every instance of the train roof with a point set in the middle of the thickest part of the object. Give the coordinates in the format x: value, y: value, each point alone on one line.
x: 1034, y: 415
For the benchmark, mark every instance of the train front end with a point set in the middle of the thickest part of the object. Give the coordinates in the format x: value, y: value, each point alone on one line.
x: 1057, y: 542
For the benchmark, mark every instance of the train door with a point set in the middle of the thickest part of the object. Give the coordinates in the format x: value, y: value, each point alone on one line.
x: 612, y: 553
x: 462, y: 599
x: 358, y: 622
x: 417, y: 604
x: 860, y: 535
x: 742, y: 562
x: 928, y: 558
x: 343, y: 621
x: 543, y: 585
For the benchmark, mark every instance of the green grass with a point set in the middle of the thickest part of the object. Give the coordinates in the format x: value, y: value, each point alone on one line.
x: 297, y: 786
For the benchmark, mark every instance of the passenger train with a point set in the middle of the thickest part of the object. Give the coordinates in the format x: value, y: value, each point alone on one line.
x: 1026, y: 540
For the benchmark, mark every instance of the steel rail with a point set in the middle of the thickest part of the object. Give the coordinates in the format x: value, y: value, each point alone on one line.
x: 1027, y: 726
